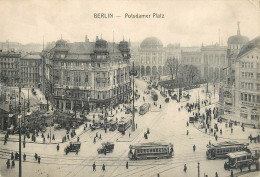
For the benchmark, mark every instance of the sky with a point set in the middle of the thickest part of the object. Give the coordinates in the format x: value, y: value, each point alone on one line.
x: 188, y: 22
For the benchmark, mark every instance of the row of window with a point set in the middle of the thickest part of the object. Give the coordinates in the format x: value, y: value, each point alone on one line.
x: 227, y: 150
x: 247, y: 75
x: 247, y: 64
x: 148, y: 61
x: 8, y: 59
x: 246, y: 85
x: 254, y: 117
x: 250, y: 98
x: 252, y: 56
x: 192, y: 60
x: 143, y: 151
x: 99, y: 95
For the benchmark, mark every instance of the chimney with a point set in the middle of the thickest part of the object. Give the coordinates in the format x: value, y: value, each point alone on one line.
x: 86, y: 39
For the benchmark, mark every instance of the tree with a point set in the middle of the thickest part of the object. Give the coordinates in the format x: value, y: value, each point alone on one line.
x: 189, y: 73
x: 173, y: 65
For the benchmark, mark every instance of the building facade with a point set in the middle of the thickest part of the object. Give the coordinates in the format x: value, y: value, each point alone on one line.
x: 31, y: 70
x: 87, y: 75
x: 9, y: 68
x: 247, y: 83
x: 227, y: 90
x: 151, y: 59
x: 214, y: 60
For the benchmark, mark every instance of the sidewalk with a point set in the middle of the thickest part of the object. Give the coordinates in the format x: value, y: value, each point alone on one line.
x: 59, y: 134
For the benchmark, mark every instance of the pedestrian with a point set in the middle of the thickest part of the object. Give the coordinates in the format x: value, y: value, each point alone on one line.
x: 249, y: 167
x: 126, y: 165
x: 103, y: 167
x: 158, y: 175
x: 231, y: 130
x: 8, y: 163
x: 129, y: 134
x: 24, y: 157
x: 209, y: 142
x: 225, y: 165
x: 185, y: 168
x: 53, y: 137
x: 16, y: 156
x: 5, y: 142
x: 241, y: 169
x: 36, y: 156
x: 13, y: 164
x: 58, y: 147
x: 187, y: 132
x: 194, y: 147
x: 97, y: 134
x: 187, y: 123
x: 39, y: 159
x: 216, y: 175
x: 100, y: 137
x: 94, y: 166
x: 43, y: 139
x: 136, y: 126
x: 24, y: 144
x: 77, y: 151
x: 78, y: 139
x: 48, y: 136
x: 231, y: 173
x: 12, y: 156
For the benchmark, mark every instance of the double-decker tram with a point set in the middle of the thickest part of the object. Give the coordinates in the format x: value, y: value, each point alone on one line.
x: 150, y: 151
x: 124, y: 123
x: 220, y: 150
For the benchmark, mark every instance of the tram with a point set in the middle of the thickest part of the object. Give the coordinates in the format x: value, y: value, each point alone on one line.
x: 220, y: 150
x: 150, y: 151
x: 144, y: 108
x: 154, y: 95
x: 124, y: 123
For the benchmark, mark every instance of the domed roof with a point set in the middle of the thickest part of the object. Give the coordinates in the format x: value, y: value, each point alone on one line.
x: 255, y: 43
x: 151, y: 42
x: 238, y: 39
x: 61, y: 43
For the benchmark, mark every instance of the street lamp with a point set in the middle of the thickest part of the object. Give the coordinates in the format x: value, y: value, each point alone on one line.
x: 20, y: 149
x: 133, y: 73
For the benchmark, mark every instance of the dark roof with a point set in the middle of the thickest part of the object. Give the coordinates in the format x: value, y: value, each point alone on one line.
x: 255, y: 43
x: 237, y: 39
x: 151, y: 42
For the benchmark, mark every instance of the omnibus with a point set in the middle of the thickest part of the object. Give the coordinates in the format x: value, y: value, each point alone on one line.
x: 154, y: 95
x: 242, y: 158
x: 124, y: 123
x: 144, y: 108
x: 150, y: 151
x: 220, y: 150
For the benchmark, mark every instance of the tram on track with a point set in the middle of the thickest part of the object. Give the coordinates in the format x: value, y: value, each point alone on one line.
x: 124, y: 123
x: 150, y: 151
x: 220, y: 150
x: 144, y: 108
x: 154, y: 95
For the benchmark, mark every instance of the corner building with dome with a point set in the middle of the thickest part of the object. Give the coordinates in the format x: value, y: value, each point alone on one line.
x: 87, y: 75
